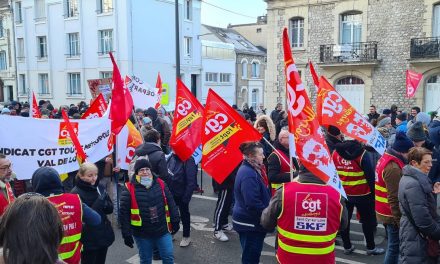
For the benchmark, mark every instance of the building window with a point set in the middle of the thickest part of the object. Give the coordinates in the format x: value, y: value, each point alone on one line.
x: 255, y: 69
x: 22, y: 83
x: 188, y: 9
x: 105, y: 6
x: 105, y: 74
x: 244, y: 70
x: 258, y: 30
x: 20, y: 49
x: 42, y: 47
x: 436, y: 21
x: 351, y: 28
x: 187, y: 47
x: 105, y: 41
x: 225, y: 77
x: 2, y: 34
x: 211, y: 77
x: 43, y: 83
x: 40, y: 9
x: 254, y: 98
x: 297, y: 29
x: 73, y: 40
x: 74, y: 84
x: 18, y: 14
x: 3, y: 65
x: 71, y: 8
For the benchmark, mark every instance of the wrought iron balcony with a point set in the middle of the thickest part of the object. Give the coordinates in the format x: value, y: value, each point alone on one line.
x: 358, y: 52
x: 425, y: 48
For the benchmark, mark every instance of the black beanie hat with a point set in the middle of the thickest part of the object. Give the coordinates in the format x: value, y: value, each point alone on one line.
x: 141, y: 163
x: 402, y: 143
x: 416, y: 132
x: 402, y: 116
x: 334, y: 131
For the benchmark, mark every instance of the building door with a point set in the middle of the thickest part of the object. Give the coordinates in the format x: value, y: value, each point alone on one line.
x: 194, y: 84
x: 352, y: 89
x: 432, y: 93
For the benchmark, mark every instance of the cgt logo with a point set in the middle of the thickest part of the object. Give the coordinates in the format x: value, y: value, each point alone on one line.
x: 63, y: 136
x: 311, y: 205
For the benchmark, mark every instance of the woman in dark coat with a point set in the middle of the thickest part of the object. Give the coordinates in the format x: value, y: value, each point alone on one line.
x: 417, y: 201
x: 95, y: 239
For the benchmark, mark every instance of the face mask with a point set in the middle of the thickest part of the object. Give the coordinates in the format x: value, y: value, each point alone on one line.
x: 145, y: 181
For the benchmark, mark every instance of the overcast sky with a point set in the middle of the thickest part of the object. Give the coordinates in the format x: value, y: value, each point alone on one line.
x: 249, y: 10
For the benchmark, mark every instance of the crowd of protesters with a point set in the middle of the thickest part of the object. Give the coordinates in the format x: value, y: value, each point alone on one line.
x: 397, y: 190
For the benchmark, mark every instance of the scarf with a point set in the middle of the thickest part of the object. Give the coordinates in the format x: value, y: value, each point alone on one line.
x: 260, y: 168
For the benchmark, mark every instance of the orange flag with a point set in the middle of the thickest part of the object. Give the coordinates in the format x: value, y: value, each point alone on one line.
x: 80, y: 154
x: 310, y: 145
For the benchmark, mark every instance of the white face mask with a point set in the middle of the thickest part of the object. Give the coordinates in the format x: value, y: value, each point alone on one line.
x: 146, y: 181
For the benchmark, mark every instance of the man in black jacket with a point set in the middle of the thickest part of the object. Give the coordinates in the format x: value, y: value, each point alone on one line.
x: 162, y: 127
x: 373, y: 113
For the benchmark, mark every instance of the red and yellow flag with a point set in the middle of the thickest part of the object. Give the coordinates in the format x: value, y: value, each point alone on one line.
x: 80, y: 154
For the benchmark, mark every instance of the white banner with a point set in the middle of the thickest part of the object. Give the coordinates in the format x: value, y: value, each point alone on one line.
x: 32, y: 143
x: 144, y: 96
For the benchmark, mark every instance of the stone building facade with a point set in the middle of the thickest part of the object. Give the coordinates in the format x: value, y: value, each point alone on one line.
x: 8, y: 91
x: 363, y: 47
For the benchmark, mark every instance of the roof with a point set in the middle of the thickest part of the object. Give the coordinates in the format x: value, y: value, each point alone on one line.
x: 241, y: 44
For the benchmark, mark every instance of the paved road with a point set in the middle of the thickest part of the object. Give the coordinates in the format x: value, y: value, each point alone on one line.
x: 205, y: 249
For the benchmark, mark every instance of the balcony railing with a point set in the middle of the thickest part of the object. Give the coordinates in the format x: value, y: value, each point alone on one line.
x: 346, y: 53
x: 425, y: 48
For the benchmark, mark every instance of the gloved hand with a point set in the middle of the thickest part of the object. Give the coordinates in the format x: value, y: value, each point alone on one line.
x: 128, y: 241
x: 176, y: 227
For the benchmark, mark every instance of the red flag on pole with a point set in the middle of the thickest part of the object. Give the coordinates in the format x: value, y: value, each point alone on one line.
x: 80, y: 154
x: 35, y: 110
x: 96, y: 109
x: 122, y: 103
x: 412, y: 82
x: 224, y: 131
x: 314, y: 75
x: 310, y: 144
x: 159, y: 91
x: 336, y: 111
x: 188, y: 123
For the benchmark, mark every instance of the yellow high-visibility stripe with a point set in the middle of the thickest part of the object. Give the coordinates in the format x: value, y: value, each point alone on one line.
x: 381, y: 199
x: 276, y: 185
x: 134, y: 211
x: 70, y: 239
x: 380, y: 188
x: 306, y: 238
x: 352, y: 183
x: 69, y: 254
x: 136, y: 222
x: 306, y: 251
x: 351, y: 173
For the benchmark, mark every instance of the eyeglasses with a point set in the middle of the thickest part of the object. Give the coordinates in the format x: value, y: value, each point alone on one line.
x: 144, y: 170
x: 7, y: 167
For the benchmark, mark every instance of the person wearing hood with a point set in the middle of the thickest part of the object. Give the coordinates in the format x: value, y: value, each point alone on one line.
x: 420, y: 223
x: 389, y: 172
x: 401, y: 122
x: 148, y: 214
x: 420, y: 117
x: 434, y: 135
x: 266, y: 128
x: 386, y: 129
x: 356, y: 171
x: 333, y: 137
x: 46, y: 181
x: 293, y: 207
x: 162, y: 127
x: 393, y: 115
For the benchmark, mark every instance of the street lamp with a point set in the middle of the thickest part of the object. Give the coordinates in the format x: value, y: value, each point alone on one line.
x: 177, y: 41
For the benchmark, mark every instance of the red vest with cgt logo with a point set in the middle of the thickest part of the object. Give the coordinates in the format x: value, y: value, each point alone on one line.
x: 308, y: 224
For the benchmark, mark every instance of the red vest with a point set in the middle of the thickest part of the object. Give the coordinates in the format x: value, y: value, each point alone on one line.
x: 381, y: 191
x: 285, y: 168
x: 135, y: 216
x: 351, y: 174
x: 308, y: 224
x: 5, y: 201
x: 70, y: 209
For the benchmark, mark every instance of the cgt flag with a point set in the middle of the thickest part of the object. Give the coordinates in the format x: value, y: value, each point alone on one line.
x: 310, y: 145
x: 159, y: 91
x: 412, y: 82
x: 96, y: 109
x: 127, y: 142
x: 35, y: 110
x: 224, y: 131
x: 80, y: 154
x: 336, y: 111
x: 186, y: 136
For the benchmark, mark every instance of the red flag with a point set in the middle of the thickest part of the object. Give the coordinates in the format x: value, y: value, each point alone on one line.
x: 122, y: 103
x: 412, y: 82
x: 314, y: 75
x: 224, y: 131
x: 310, y: 144
x: 35, y: 110
x: 80, y: 154
x: 159, y: 92
x: 188, y: 123
x: 96, y: 109
x: 336, y: 111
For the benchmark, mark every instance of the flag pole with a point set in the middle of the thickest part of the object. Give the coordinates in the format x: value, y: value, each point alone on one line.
x: 281, y: 156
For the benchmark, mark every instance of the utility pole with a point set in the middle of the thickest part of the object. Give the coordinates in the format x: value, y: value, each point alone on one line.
x: 177, y: 41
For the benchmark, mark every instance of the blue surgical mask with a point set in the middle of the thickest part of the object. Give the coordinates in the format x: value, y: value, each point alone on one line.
x: 146, y: 181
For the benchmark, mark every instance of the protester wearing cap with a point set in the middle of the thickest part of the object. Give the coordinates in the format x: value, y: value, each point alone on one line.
x: 434, y: 135
x: 401, y: 122
x: 420, y: 117
x: 386, y: 112
x: 418, y: 133
x: 149, y: 214
x: 333, y: 137
x: 386, y: 129
x: 388, y: 174
x: 6, y: 111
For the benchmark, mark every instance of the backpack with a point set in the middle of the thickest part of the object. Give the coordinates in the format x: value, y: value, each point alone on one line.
x: 176, y: 168
x: 132, y: 162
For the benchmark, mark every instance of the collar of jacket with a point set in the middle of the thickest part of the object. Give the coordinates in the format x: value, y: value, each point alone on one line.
x: 397, y: 155
x: 418, y: 175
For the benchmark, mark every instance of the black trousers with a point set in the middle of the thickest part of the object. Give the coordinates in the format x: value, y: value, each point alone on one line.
x: 185, y: 216
x: 94, y: 256
x: 224, y: 203
x: 365, y: 207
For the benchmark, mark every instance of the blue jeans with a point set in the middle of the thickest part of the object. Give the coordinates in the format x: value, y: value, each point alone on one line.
x: 392, y: 254
x: 163, y: 243
x: 251, y: 246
